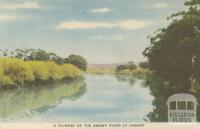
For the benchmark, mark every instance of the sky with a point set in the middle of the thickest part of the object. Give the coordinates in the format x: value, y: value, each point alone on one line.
x: 102, y: 31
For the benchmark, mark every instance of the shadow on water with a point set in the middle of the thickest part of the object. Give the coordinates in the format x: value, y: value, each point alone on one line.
x: 32, y: 100
x: 161, y: 90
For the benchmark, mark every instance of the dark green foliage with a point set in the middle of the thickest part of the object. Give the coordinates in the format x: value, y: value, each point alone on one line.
x: 39, y: 55
x: 78, y: 61
x: 144, y: 65
x: 121, y: 67
x: 42, y: 55
x: 128, y: 66
x: 174, y: 56
x: 161, y: 90
x: 174, y: 53
x: 131, y: 65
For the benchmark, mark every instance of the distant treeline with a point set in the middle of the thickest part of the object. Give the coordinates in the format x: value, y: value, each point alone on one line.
x: 42, y: 55
x: 131, y: 68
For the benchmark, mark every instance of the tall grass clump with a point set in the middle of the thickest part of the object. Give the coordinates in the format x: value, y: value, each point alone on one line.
x: 19, y: 72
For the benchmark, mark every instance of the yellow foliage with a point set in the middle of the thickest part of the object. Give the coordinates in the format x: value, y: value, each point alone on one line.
x: 40, y: 70
x: 141, y: 71
x: 5, y: 80
x: 17, y: 72
x: 55, y: 71
x: 138, y: 71
x: 92, y: 70
x: 70, y: 70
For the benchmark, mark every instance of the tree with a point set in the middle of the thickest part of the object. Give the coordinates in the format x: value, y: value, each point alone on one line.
x: 121, y: 67
x: 39, y: 54
x: 42, y: 55
x: 131, y: 65
x: 174, y: 53
x: 128, y: 66
x: 78, y: 61
x: 144, y: 65
x: 36, y: 54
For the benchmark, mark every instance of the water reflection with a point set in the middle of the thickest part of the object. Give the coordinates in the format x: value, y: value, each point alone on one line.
x: 161, y: 90
x: 34, y: 100
x: 131, y: 79
x: 106, y: 99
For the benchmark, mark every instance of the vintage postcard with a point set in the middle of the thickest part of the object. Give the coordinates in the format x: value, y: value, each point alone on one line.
x: 99, y: 64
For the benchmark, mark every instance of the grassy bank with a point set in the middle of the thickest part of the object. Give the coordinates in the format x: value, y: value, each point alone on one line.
x: 137, y: 71
x: 101, y: 71
x: 19, y: 72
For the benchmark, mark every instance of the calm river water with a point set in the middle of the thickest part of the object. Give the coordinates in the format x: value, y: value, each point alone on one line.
x: 96, y: 98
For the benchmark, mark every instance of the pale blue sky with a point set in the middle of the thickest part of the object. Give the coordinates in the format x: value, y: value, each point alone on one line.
x: 103, y: 31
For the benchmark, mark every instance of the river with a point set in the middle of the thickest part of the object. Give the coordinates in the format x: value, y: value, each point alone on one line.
x: 97, y: 98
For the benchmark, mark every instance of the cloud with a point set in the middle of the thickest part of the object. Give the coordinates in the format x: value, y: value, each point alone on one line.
x: 4, y: 17
x: 101, y: 10
x: 126, y: 24
x: 161, y: 5
x: 25, y: 5
x: 84, y: 25
x: 134, y: 24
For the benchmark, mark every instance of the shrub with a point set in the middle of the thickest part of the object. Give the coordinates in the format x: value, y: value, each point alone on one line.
x: 55, y: 71
x: 5, y: 80
x: 70, y: 70
x: 18, y: 72
x: 40, y: 70
x: 78, y: 61
x: 98, y: 71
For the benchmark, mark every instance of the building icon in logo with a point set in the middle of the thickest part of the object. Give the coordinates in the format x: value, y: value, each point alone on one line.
x: 182, y: 108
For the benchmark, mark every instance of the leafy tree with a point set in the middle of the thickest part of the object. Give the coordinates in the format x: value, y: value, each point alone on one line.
x: 36, y: 54
x: 42, y: 55
x: 129, y: 66
x: 121, y: 67
x: 39, y: 54
x: 160, y: 90
x: 174, y: 53
x: 144, y: 65
x: 78, y: 61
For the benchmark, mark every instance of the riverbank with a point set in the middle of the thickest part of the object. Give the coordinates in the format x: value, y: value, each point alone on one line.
x: 101, y: 71
x: 137, y: 71
x: 17, y: 72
